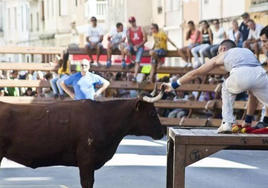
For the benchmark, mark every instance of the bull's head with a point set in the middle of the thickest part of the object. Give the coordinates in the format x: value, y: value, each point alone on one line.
x: 146, y: 117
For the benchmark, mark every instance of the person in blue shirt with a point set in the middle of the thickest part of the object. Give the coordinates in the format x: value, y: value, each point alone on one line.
x: 84, y: 83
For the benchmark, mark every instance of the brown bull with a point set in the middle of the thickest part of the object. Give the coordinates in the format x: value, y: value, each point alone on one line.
x: 82, y: 133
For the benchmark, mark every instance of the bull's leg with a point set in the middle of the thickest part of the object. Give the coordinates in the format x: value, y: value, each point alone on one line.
x: 86, y: 175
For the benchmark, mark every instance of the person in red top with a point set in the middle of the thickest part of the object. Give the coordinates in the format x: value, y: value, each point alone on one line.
x: 195, y: 36
x: 136, y: 40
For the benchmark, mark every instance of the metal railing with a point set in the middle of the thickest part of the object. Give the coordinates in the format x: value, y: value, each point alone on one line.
x: 97, y: 9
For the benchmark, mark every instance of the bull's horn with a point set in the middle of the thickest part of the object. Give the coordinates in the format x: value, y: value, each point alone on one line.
x: 154, y: 99
x: 154, y: 91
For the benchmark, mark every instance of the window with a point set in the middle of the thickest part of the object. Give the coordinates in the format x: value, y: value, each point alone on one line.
x: 37, y: 19
x: 31, y: 28
x: 76, y: 3
x: 63, y: 7
x: 8, y: 19
x: 176, y: 4
x: 52, y: 8
x: 15, y: 17
x: 22, y: 18
x: 169, y: 5
x: 48, y: 8
x: 43, y: 11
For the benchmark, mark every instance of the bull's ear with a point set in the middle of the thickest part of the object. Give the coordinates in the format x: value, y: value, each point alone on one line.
x: 137, y: 105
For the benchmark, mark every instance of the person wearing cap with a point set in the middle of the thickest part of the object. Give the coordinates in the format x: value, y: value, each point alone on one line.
x: 159, y: 50
x: 136, y: 40
x: 243, y: 28
x: 246, y: 74
x: 116, y: 38
x: 94, y: 40
x: 83, y: 83
x: 254, y: 42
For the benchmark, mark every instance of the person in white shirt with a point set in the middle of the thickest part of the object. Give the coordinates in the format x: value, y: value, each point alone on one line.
x: 253, y: 42
x: 94, y: 38
x: 219, y: 35
x: 235, y: 35
x: 116, y: 40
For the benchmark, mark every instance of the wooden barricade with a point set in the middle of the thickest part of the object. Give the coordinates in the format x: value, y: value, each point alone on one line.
x: 187, y: 146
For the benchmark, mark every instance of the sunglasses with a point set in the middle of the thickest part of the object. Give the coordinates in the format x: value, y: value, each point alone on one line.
x: 93, y: 20
x: 84, y: 65
x: 131, y: 21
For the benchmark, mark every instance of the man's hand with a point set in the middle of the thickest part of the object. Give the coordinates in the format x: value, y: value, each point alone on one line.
x: 136, y: 47
x: 167, y: 86
x: 96, y: 95
x: 72, y: 96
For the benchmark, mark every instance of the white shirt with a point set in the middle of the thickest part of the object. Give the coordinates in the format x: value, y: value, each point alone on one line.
x: 255, y: 34
x: 218, y: 36
x: 94, y: 33
x: 237, y: 57
x: 232, y: 36
x: 117, y: 36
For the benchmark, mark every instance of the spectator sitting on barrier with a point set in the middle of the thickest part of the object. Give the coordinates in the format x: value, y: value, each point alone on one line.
x: 185, y: 52
x: 206, y: 41
x: 253, y: 41
x: 94, y: 40
x: 219, y: 35
x: 136, y: 40
x: 13, y: 91
x: 116, y: 40
x: 84, y: 83
x: 243, y: 28
x: 235, y: 35
x: 179, y: 112
x: 3, y: 92
x: 29, y: 92
x: 63, y: 74
x: 159, y: 50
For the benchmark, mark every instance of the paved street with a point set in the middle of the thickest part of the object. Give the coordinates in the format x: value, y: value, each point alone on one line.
x: 140, y: 163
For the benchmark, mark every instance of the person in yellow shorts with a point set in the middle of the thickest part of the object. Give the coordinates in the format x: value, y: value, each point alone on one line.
x: 159, y: 50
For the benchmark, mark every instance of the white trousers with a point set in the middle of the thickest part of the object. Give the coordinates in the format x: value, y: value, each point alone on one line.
x: 242, y: 79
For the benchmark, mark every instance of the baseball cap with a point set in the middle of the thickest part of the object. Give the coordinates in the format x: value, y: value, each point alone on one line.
x: 132, y: 19
x: 245, y: 14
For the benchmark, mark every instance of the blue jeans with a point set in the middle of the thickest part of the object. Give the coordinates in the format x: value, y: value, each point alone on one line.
x: 55, y: 84
x: 138, y: 53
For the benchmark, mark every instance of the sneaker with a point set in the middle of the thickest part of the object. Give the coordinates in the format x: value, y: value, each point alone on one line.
x: 98, y: 64
x: 189, y: 64
x: 56, y: 96
x: 197, y: 64
x: 134, y: 79
x: 109, y: 63
x: 184, y: 65
x: 132, y: 64
x: 225, y: 128
x: 124, y: 65
x: 91, y: 62
x: 62, y: 97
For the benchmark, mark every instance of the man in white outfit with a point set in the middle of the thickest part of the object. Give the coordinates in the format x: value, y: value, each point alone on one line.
x: 246, y: 74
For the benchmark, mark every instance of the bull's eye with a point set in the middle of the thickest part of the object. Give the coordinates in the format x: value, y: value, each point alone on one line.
x: 153, y: 113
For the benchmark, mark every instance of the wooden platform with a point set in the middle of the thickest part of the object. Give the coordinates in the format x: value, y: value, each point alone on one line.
x: 187, y: 146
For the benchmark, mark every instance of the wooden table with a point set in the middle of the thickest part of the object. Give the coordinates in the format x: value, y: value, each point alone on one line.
x: 187, y: 146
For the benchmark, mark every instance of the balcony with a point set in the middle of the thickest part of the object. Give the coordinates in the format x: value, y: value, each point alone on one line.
x: 258, y: 5
x: 96, y: 8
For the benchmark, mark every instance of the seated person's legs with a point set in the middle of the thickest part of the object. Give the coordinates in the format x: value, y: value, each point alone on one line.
x: 99, y: 48
x: 214, y: 50
x: 207, y: 52
x: 89, y: 48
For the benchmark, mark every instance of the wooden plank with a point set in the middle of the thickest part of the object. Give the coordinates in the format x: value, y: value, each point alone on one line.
x: 239, y: 105
x: 183, y: 122
x: 179, y: 162
x: 31, y: 50
x: 184, y: 104
x: 24, y: 83
x: 82, y: 51
x: 28, y: 66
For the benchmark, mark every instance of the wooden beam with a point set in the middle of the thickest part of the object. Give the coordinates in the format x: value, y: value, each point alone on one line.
x: 28, y: 66
x: 31, y: 50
